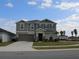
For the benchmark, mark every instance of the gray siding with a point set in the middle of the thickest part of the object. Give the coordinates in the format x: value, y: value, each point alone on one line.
x: 18, y: 26
x: 29, y: 27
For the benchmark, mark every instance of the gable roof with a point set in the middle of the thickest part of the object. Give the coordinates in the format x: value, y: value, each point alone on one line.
x: 20, y: 21
x: 36, y: 21
x: 47, y: 20
x: 2, y: 30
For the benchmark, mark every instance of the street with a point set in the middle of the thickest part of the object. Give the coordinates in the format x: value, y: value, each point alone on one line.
x: 67, y: 54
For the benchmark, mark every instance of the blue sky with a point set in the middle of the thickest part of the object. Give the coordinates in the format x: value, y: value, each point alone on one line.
x: 64, y: 12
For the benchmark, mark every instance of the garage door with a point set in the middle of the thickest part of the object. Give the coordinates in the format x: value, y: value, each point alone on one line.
x: 26, y: 37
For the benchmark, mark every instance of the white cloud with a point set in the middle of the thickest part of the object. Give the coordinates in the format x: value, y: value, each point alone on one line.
x: 9, y: 24
x: 74, y: 17
x: 67, y: 5
x: 42, y: 3
x: 25, y: 19
x: 33, y: 2
x: 9, y: 4
x: 69, y: 23
x: 46, y: 3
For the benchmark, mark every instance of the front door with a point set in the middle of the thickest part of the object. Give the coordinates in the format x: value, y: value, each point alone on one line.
x: 40, y: 36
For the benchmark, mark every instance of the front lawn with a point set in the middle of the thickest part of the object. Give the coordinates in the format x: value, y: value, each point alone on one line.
x: 5, y: 43
x: 56, y: 45
x: 41, y: 43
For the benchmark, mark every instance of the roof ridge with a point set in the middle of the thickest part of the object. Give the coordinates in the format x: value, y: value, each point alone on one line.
x: 3, y: 30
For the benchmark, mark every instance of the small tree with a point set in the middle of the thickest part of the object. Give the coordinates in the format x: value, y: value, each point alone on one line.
x: 72, y: 33
x: 56, y: 33
x: 75, y: 32
x: 64, y: 33
x: 61, y: 33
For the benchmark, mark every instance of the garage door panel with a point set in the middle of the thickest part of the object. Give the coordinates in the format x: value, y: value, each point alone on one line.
x: 26, y: 37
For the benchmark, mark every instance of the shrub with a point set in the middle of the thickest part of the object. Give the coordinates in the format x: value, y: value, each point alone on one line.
x: 45, y: 40
x: 14, y: 40
x: 0, y: 40
x: 51, y: 39
x: 56, y: 40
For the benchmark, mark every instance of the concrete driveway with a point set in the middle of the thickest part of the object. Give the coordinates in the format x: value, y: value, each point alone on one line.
x: 18, y: 46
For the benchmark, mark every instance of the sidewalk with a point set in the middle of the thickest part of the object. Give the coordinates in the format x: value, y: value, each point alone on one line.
x: 4, y: 49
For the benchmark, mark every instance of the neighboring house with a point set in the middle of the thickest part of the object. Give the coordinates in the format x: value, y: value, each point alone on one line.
x: 74, y: 38
x: 63, y: 37
x: 5, y: 35
x: 35, y: 30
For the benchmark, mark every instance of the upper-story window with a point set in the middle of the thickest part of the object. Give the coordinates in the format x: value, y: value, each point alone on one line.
x: 22, y: 26
x: 37, y: 26
x: 32, y: 26
x: 50, y: 25
x: 47, y: 26
x: 41, y: 25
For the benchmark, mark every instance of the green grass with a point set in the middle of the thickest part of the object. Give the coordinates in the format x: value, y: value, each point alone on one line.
x: 55, y: 43
x: 5, y: 43
x: 65, y: 47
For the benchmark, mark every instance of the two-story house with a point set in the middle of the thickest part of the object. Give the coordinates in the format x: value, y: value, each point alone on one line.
x: 35, y: 30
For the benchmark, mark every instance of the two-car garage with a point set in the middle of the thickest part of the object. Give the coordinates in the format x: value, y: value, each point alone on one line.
x: 26, y: 37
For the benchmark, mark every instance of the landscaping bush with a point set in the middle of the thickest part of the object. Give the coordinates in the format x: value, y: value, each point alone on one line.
x: 50, y: 39
x: 0, y: 40
x: 35, y: 40
x: 56, y: 40
x: 45, y: 40
x: 14, y: 40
